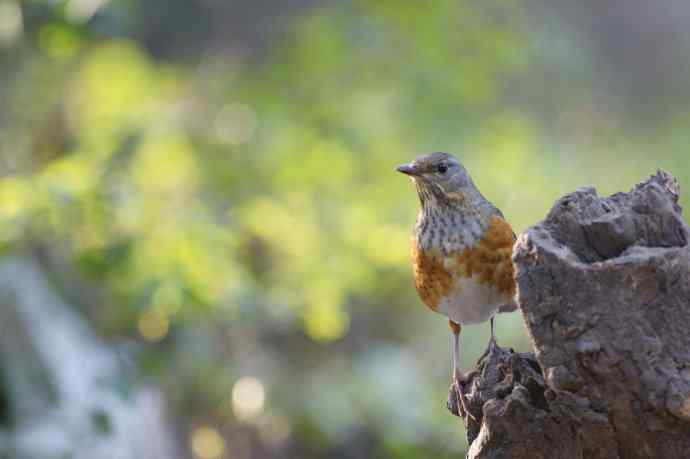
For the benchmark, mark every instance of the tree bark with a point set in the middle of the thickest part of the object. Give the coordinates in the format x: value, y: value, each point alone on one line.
x: 604, y: 290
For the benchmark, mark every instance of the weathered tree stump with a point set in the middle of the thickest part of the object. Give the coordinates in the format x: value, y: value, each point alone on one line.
x: 604, y: 289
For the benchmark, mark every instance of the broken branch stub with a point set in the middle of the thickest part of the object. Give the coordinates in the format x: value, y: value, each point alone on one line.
x: 604, y: 289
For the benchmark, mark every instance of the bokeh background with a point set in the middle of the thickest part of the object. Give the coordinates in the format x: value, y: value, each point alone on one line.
x: 203, y: 193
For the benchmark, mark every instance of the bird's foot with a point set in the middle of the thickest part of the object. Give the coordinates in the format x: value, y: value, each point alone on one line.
x: 460, y: 400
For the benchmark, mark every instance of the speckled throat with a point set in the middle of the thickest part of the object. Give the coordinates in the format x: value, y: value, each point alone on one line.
x: 451, y: 222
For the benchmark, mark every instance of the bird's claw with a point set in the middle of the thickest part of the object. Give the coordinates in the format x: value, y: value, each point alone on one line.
x: 461, y: 399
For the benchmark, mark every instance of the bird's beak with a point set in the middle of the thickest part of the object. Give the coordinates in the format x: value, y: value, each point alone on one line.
x: 408, y: 169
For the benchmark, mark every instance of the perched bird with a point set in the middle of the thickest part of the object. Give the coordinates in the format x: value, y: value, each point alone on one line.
x: 461, y: 250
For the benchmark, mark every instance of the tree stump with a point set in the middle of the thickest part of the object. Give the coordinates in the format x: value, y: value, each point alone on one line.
x: 604, y: 290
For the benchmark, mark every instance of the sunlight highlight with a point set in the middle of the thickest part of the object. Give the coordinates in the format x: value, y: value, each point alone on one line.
x: 207, y: 443
x: 326, y: 321
x: 165, y: 164
x: 15, y: 196
x: 153, y: 325
x: 248, y: 398
x: 11, y: 22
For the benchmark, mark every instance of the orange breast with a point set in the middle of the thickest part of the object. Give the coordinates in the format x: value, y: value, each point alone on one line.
x: 432, y: 280
x: 489, y: 261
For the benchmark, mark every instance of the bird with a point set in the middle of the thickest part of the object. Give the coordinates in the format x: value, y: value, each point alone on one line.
x: 461, y: 251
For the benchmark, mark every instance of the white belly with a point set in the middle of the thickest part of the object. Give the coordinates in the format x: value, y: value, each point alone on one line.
x: 472, y: 302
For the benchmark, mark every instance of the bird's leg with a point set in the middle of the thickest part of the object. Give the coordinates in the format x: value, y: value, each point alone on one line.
x: 492, y: 340
x: 458, y: 377
x: 457, y: 373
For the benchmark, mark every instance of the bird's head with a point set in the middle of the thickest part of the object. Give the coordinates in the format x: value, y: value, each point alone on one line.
x: 439, y: 175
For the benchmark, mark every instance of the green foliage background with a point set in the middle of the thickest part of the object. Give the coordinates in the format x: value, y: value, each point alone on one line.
x: 237, y: 214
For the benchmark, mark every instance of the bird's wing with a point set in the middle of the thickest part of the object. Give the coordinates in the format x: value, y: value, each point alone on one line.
x: 498, y: 213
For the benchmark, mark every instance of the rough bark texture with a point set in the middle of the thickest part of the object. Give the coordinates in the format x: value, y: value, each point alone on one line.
x: 604, y: 289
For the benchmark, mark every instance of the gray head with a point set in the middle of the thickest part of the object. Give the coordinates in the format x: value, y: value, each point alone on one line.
x: 439, y: 175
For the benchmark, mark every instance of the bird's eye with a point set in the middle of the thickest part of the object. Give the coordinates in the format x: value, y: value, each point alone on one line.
x: 442, y: 168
